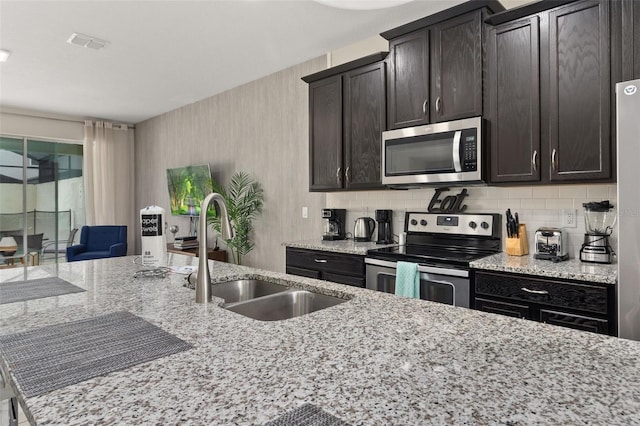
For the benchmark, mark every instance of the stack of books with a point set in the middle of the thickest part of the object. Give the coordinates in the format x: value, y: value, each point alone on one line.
x: 183, y: 243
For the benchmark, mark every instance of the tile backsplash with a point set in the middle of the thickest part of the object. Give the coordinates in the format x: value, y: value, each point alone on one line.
x: 537, y: 206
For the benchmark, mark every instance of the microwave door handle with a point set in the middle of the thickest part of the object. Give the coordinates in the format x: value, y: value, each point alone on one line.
x: 456, y: 151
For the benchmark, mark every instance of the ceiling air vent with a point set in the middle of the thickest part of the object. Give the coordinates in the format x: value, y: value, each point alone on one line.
x: 87, y: 41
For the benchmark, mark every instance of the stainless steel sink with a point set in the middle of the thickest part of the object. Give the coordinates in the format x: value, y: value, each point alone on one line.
x: 242, y: 290
x: 285, y: 305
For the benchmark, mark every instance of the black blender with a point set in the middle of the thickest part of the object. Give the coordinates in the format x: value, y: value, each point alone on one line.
x: 599, y: 219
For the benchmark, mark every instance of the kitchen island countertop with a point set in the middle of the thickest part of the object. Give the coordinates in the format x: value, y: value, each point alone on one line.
x: 572, y: 269
x: 376, y: 360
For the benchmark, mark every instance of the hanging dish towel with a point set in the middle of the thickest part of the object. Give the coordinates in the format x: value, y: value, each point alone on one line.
x: 407, y: 280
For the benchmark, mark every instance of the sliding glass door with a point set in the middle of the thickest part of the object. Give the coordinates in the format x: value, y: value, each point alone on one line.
x: 41, y: 197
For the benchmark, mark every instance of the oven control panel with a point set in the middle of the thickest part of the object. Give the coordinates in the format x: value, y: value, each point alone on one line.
x: 452, y: 224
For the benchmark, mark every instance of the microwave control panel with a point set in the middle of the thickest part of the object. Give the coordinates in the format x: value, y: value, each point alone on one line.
x: 469, y: 148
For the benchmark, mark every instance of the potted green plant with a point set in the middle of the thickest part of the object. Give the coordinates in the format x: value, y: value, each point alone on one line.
x: 244, y: 197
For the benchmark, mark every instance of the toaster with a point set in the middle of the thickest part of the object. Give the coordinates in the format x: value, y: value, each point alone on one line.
x: 551, y: 244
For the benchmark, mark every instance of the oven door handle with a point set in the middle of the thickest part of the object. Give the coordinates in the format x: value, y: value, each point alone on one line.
x: 421, y: 268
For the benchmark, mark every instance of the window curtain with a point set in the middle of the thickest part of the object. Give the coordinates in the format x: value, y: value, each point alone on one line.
x: 109, y: 176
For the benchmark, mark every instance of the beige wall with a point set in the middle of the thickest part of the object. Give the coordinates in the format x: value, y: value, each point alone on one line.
x: 260, y: 128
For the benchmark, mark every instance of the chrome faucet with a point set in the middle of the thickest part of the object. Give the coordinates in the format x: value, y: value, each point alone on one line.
x: 203, y: 278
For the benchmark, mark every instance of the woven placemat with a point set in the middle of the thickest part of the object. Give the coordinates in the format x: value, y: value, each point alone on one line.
x: 56, y: 356
x: 307, y: 415
x: 19, y: 291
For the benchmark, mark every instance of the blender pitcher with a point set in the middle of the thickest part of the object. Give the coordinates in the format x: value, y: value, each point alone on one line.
x: 599, y: 219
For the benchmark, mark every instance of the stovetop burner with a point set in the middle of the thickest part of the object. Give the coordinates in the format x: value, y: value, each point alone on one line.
x: 450, y: 240
x: 425, y: 255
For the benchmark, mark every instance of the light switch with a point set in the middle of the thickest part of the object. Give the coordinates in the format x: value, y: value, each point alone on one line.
x: 305, y: 212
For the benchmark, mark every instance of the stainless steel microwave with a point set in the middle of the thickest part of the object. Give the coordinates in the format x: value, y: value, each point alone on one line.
x: 440, y: 153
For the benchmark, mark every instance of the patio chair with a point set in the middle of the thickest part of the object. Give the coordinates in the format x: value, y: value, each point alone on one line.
x: 54, y: 247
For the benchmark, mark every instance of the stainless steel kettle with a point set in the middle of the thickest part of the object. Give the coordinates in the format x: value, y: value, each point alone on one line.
x: 363, y: 230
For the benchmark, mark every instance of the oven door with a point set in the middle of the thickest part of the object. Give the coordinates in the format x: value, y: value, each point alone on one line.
x: 450, y: 286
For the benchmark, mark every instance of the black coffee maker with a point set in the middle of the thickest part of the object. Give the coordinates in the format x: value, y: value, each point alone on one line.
x: 385, y: 235
x: 335, y: 220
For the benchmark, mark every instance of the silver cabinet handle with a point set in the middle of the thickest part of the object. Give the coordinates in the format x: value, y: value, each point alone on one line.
x: 534, y: 160
x: 554, y: 156
x: 338, y: 174
x: 534, y: 291
x: 320, y: 260
x: 346, y: 174
x: 424, y: 107
x: 438, y: 104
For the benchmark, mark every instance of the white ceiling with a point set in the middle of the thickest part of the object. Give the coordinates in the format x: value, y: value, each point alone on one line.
x: 166, y: 54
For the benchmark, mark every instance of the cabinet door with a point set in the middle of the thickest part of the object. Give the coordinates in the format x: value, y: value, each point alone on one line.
x: 580, y: 91
x: 457, y: 68
x: 514, y: 92
x: 408, y: 81
x: 630, y: 40
x: 577, y: 322
x: 636, y: 39
x: 344, y: 279
x: 303, y: 272
x: 325, y: 134
x: 502, y: 308
x: 364, y: 122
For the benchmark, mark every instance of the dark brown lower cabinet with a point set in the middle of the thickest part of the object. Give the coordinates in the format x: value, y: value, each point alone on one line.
x: 502, y: 308
x: 341, y: 268
x: 574, y: 304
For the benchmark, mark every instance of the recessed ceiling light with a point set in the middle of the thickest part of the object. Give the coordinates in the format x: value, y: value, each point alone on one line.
x: 362, y: 4
x: 4, y: 55
x: 87, y: 41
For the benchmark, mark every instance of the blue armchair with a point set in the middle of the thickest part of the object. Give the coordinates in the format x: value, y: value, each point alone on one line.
x: 98, y: 242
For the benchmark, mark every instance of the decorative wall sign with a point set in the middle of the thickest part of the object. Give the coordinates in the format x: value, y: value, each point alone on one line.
x: 449, y: 204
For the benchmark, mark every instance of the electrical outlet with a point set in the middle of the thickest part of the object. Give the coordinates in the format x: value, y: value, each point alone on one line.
x: 569, y: 218
x: 305, y: 212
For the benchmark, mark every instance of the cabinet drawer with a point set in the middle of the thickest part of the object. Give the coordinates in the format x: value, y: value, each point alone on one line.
x: 502, y: 308
x: 583, y: 297
x: 302, y: 272
x: 578, y: 322
x: 323, y: 261
x: 344, y: 279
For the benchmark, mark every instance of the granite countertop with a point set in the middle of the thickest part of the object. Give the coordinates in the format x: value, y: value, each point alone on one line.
x: 377, y: 359
x: 572, y: 269
x: 338, y: 246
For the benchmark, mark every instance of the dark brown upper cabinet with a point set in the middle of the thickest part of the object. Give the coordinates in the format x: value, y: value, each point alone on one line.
x: 514, y: 101
x: 435, y: 74
x: 436, y: 66
x: 630, y: 39
x: 456, y: 68
x: 325, y: 133
x: 364, y: 122
x: 347, y: 115
x: 580, y: 91
x: 408, y: 80
x: 550, y: 90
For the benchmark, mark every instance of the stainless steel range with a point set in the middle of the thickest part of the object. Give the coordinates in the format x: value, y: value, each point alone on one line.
x: 442, y: 245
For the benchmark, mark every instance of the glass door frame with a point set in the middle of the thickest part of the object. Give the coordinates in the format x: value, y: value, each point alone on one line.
x: 25, y: 163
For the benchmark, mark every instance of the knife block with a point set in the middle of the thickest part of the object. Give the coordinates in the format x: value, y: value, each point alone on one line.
x: 518, y: 246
